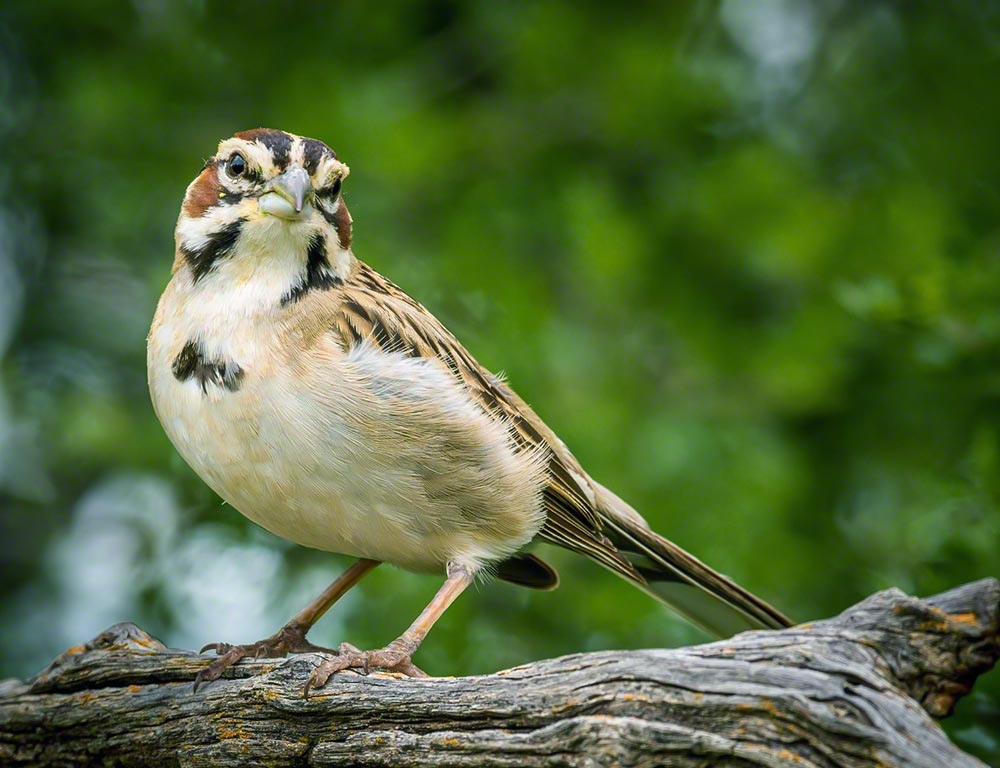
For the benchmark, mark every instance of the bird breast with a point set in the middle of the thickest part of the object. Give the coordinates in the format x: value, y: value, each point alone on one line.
x: 367, y: 453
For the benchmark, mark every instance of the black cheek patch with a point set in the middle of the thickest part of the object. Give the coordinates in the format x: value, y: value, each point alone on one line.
x: 318, y: 277
x: 219, y: 245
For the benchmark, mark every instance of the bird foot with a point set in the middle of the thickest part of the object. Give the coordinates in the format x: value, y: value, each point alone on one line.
x: 291, y: 638
x: 395, y: 657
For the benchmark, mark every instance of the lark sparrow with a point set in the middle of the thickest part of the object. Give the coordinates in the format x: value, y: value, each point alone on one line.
x: 326, y: 405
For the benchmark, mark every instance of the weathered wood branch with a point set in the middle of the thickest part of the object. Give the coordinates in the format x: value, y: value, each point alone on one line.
x: 856, y: 690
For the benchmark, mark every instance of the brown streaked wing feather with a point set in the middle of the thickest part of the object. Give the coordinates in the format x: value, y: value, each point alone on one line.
x: 373, y: 308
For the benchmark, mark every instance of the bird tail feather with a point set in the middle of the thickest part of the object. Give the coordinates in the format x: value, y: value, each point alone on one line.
x: 674, y: 577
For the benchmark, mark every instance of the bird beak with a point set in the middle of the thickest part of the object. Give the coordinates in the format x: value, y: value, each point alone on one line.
x: 288, y: 196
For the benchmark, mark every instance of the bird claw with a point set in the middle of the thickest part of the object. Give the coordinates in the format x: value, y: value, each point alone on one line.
x: 219, y: 648
x: 395, y: 657
x: 289, y: 639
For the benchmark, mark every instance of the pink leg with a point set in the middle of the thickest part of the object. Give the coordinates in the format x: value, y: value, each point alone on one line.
x: 291, y: 638
x: 396, y: 655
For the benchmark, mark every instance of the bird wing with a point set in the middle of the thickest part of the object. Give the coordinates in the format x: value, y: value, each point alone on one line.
x: 372, y: 309
x: 580, y: 514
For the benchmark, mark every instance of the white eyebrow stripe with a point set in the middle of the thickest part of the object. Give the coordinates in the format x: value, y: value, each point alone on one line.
x: 297, y: 154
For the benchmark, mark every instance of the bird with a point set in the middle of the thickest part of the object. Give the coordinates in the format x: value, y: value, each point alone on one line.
x: 329, y: 407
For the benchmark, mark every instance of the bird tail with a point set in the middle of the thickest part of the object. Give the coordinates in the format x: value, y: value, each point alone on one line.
x: 681, y: 581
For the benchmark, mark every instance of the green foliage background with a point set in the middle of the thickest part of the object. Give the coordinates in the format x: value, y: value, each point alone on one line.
x: 744, y: 257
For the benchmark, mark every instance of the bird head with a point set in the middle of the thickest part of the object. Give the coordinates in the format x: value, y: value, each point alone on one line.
x: 268, y: 198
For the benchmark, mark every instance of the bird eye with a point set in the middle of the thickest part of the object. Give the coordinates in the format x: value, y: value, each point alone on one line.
x: 334, y: 189
x: 236, y: 166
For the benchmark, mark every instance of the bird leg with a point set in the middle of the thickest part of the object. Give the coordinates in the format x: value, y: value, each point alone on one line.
x: 396, y: 655
x: 291, y: 638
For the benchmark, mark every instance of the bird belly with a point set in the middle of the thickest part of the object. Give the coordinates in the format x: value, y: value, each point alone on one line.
x: 339, y: 464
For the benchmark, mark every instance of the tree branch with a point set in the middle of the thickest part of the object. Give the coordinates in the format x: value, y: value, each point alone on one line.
x: 855, y: 690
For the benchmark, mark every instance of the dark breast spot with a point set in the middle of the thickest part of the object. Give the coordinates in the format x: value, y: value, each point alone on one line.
x: 191, y: 363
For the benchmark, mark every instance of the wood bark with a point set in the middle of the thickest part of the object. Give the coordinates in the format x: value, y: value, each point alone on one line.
x: 859, y: 689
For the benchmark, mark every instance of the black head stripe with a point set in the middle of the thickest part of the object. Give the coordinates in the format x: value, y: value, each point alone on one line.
x: 219, y: 245
x: 312, y: 152
x: 280, y: 145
